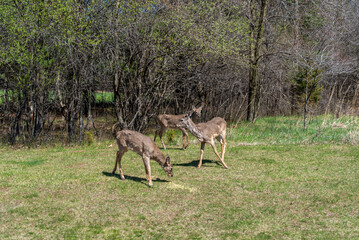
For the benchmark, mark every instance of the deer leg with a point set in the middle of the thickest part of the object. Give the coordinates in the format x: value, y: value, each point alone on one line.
x: 220, y: 140
x: 160, y: 132
x: 223, y: 142
x: 118, y: 161
x: 223, y: 148
x: 146, y: 162
x: 184, y: 135
x: 201, y: 156
x: 215, y: 151
x: 154, y: 139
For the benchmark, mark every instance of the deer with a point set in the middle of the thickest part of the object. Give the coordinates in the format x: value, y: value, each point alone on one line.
x: 143, y: 146
x: 167, y: 121
x: 206, y: 132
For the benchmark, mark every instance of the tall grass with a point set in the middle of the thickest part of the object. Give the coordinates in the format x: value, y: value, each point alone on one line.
x: 323, y: 129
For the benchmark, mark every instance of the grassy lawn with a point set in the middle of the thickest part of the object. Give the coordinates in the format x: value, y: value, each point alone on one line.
x: 305, y: 188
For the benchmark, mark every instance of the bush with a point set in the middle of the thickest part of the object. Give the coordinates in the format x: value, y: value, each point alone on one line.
x: 170, y: 135
x: 89, y: 139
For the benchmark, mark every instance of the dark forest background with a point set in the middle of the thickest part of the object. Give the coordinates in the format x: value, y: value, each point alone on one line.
x: 242, y: 59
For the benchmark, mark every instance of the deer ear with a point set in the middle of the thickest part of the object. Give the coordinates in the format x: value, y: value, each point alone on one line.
x: 168, y: 160
x: 188, y: 114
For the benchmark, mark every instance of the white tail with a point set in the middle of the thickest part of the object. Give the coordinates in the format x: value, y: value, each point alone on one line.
x: 145, y: 147
x: 166, y: 121
x: 206, y: 132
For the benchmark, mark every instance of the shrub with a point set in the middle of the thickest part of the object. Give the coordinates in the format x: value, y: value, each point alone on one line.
x: 89, y: 139
x: 170, y: 135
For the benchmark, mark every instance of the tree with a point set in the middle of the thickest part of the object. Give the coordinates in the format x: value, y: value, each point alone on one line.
x: 27, y: 61
x: 307, y: 87
x: 257, y: 16
x: 42, y: 40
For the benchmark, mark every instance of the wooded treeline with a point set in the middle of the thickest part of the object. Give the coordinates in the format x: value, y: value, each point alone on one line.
x: 242, y: 59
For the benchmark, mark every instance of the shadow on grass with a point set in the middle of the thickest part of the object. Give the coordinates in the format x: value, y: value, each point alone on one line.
x: 135, y: 179
x: 172, y: 148
x: 194, y: 163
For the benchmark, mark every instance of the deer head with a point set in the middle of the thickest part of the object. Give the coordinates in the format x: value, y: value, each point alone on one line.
x: 167, y: 167
x: 184, y: 122
x: 196, y: 111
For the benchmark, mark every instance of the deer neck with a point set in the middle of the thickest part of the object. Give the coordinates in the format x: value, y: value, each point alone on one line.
x: 192, y: 128
x: 160, y: 158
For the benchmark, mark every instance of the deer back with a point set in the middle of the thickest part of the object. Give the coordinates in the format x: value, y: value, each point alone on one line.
x: 169, y: 121
x: 137, y: 142
x: 214, y: 127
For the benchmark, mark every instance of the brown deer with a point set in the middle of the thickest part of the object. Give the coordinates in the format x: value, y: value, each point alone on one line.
x: 206, y: 132
x: 143, y: 146
x: 166, y: 121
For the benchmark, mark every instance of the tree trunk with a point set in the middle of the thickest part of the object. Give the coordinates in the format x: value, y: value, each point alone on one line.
x: 116, y: 81
x: 90, y: 118
x: 81, y: 124
x: 306, y: 104
x: 256, y: 37
x: 70, y: 121
x: 330, y: 99
x: 354, y: 101
x: 14, y: 128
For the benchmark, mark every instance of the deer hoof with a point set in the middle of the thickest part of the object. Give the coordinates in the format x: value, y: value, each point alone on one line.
x: 122, y: 178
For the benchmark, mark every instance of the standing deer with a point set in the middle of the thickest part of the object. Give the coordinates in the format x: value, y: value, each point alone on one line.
x: 166, y: 121
x: 206, y: 132
x: 143, y: 146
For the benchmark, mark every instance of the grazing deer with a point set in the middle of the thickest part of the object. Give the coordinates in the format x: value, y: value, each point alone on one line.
x: 143, y: 146
x: 166, y: 121
x: 206, y: 132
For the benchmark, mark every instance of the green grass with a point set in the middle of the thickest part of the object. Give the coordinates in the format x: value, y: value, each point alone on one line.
x: 289, y: 130
x: 271, y: 191
x: 104, y: 97
x: 100, y: 97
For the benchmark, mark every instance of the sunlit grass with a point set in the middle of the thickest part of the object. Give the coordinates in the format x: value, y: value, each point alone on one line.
x: 289, y: 130
x: 286, y: 190
x: 100, y: 97
x: 104, y: 97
